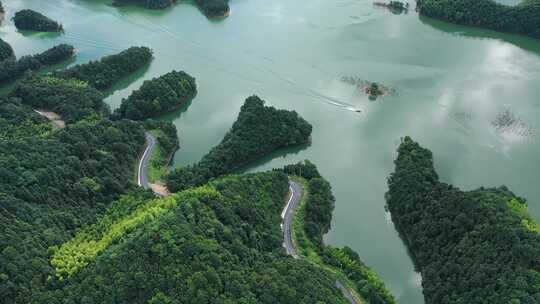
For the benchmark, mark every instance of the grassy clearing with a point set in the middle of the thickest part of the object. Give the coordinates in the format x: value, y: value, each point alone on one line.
x: 83, y: 249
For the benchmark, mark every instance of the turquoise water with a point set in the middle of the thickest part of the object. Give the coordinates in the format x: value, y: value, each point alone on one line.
x: 451, y: 82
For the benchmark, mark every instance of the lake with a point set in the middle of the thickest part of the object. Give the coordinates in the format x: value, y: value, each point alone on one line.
x: 469, y: 95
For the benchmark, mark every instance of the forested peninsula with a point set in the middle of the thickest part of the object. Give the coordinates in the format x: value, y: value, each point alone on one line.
x: 158, y: 96
x: 472, y: 247
x: 210, y: 8
x: 257, y: 131
x: 34, y: 21
x: 523, y: 18
x: 12, y: 69
x: 109, y: 70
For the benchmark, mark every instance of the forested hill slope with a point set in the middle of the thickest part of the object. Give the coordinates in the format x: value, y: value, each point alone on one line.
x: 51, y: 183
x: 107, y: 71
x: 471, y: 247
x: 158, y: 96
x: 523, y: 18
x: 257, y: 131
x: 211, y: 8
x: 220, y: 243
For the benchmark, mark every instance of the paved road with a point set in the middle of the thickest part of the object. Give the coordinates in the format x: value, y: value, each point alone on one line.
x: 142, y: 173
x: 347, y: 293
x: 288, y: 216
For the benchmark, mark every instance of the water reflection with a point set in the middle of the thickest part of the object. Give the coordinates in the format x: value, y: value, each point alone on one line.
x: 523, y: 42
x: 281, y: 153
x: 127, y: 81
x: 175, y: 115
x: 40, y: 35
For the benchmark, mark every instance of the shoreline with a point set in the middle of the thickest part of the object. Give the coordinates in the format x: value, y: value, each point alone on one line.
x: 307, y: 253
x: 221, y: 17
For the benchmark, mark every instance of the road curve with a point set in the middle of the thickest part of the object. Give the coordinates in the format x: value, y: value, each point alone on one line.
x: 347, y: 293
x: 142, y: 172
x: 296, y: 191
x: 288, y: 215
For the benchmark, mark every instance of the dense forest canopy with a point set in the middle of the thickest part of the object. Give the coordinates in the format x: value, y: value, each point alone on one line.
x: 6, y: 51
x: 257, y: 131
x: 72, y: 99
x: 158, y: 96
x: 30, y: 20
x: 519, y: 19
x: 472, y: 247
x: 220, y: 243
x: 18, y: 121
x: 109, y: 70
x: 214, y: 8
x: 51, y: 183
x: 11, y: 70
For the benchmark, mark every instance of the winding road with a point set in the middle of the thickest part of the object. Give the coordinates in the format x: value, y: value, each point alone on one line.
x: 142, y: 173
x: 296, y: 192
x: 288, y: 215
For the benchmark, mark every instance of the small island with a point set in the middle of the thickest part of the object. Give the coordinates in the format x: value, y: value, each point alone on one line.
x: 396, y: 7
x: 33, y: 21
x: 157, y: 96
x: 258, y: 131
x: 372, y: 89
x: 214, y: 9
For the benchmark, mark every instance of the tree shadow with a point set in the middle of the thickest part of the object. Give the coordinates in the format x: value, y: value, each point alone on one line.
x: 126, y: 81
x: 283, y: 152
x: 40, y: 35
x: 526, y: 43
x: 176, y: 114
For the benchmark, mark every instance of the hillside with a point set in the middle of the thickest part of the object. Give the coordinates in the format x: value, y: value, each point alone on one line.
x: 520, y: 19
x: 220, y: 243
x: 472, y: 247
x: 257, y: 131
